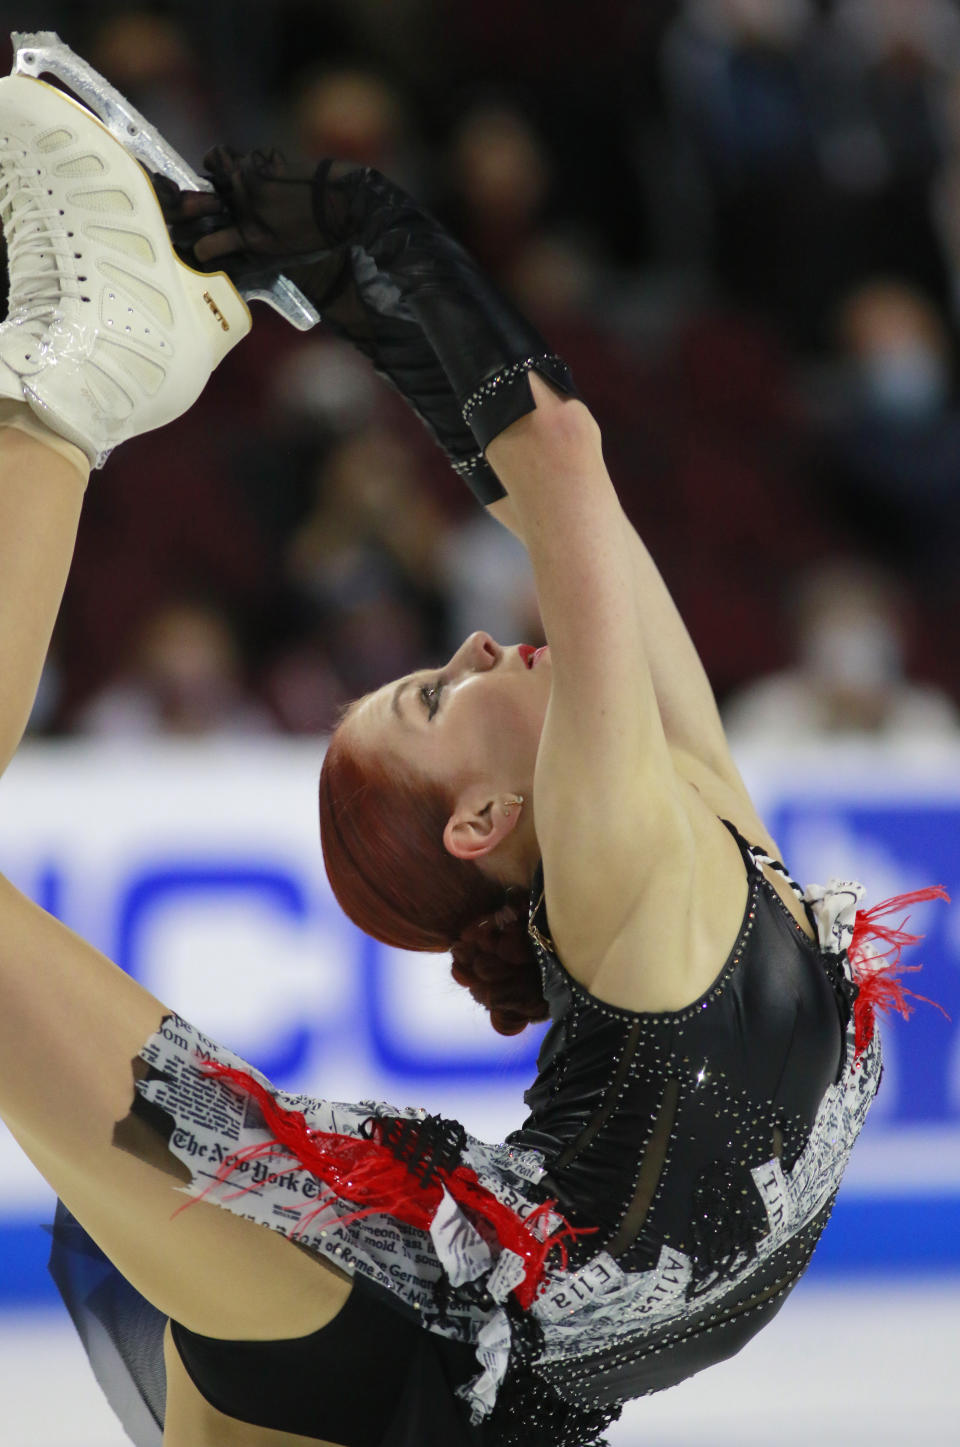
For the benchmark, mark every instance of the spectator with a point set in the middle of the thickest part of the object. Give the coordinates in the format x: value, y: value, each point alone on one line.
x: 738, y: 88
x: 849, y: 679
x: 358, y: 116
x: 882, y: 83
x: 791, y: 152
x: 152, y: 60
x: 185, y: 677
x: 501, y: 176
x: 725, y: 443
x: 896, y: 429
x: 302, y: 686
x: 364, y: 561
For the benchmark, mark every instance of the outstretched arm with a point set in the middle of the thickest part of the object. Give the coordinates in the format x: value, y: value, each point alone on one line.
x: 685, y: 698
x: 388, y: 277
x: 643, y: 893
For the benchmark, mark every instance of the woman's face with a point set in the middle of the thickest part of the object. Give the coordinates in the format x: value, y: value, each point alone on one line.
x: 474, y: 724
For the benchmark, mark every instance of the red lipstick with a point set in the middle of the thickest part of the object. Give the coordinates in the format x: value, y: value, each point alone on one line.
x: 529, y: 654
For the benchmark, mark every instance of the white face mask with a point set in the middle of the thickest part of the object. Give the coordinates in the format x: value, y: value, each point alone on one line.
x: 907, y: 383
x: 856, y: 653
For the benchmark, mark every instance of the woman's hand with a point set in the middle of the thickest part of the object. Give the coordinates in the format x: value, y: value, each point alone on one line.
x: 361, y: 250
x: 259, y: 220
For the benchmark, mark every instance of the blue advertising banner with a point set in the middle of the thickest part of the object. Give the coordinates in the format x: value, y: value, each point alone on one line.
x: 892, y: 822
x: 198, y: 870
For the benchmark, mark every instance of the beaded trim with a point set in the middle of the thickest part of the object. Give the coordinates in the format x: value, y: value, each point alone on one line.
x: 493, y: 384
x: 759, y: 857
x: 591, y: 1331
x: 641, y: 1307
x: 655, y: 1017
x: 716, y: 989
x: 579, y: 1371
x: 469, y: 465
x: 791, y: 919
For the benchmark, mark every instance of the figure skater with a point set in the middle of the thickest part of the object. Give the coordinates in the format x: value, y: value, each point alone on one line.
x: 568, y: 820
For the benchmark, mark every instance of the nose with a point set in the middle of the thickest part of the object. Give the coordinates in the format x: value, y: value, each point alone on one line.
x: 476, y: 654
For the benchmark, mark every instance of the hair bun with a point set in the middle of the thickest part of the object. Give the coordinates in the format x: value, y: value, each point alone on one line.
x: 494, y: 960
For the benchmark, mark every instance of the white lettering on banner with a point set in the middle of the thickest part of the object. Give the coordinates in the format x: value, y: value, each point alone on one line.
x: 463, y: 1253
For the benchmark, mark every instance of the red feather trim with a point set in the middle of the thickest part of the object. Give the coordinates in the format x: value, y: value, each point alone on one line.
x: 365, y: 1172
x: 880, y: 986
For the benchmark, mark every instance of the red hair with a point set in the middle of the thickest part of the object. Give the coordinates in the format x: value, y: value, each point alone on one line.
x: 381, y: 830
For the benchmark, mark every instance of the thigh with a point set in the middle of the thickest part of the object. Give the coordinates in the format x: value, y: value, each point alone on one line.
x: 71, y: 1024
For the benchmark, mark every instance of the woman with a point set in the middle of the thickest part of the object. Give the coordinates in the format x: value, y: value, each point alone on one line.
x: 707, y: 1070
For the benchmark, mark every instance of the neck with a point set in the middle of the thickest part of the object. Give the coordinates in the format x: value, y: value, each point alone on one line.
x: 515, y: 861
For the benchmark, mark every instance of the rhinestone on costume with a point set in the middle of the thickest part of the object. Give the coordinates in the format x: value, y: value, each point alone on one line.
x: 493, y: 384
x: 653, y: 1274
x: 469, y: 465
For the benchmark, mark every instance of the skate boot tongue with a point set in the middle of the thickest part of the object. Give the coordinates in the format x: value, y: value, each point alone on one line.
x: 33, y: 241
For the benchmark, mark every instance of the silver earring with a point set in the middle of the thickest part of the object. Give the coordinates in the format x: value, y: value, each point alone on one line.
x: 512, y: 798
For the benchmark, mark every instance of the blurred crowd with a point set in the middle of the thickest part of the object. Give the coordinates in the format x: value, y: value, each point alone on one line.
x: 738, y: 220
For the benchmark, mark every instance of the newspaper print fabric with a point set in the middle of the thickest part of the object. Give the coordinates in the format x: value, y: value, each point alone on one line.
x: 213, y: 1123
x: 578, y: 1312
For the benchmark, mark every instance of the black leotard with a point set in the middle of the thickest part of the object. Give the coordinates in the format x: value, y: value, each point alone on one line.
x: 372, y: 1378
x: 653, y: 1123
x: 703, y: 1147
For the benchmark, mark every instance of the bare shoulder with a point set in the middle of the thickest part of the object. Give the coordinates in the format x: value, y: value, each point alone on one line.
x: 725, y: 795
x: 652, y: 938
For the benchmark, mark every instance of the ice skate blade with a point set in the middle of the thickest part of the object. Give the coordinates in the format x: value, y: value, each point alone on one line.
x: 44, y: 53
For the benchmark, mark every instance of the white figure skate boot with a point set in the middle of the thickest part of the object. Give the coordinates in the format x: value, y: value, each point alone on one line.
x: 108, y: 333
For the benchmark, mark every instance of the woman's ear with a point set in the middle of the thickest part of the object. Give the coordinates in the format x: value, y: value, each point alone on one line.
x: 477, y: 826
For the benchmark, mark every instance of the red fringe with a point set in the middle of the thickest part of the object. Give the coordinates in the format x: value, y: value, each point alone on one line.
x: 880, y: 986
x: 367, y: 1173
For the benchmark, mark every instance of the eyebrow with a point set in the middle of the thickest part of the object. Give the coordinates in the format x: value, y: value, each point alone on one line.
x: 397, y: 692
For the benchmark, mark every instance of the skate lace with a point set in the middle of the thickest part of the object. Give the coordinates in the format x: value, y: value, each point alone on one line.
x: 34, y: 239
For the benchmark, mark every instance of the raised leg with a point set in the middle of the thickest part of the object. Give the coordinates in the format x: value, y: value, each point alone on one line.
x: 108, y: 335
x: 41, y: 493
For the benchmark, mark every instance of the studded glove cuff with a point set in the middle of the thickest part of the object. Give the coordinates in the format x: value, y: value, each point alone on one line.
x: 486, y: 348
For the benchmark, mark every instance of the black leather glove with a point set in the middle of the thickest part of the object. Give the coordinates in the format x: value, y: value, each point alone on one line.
x: 386, y: 275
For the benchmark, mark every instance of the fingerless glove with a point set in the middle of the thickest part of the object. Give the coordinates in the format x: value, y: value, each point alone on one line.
x: 386, y: 275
